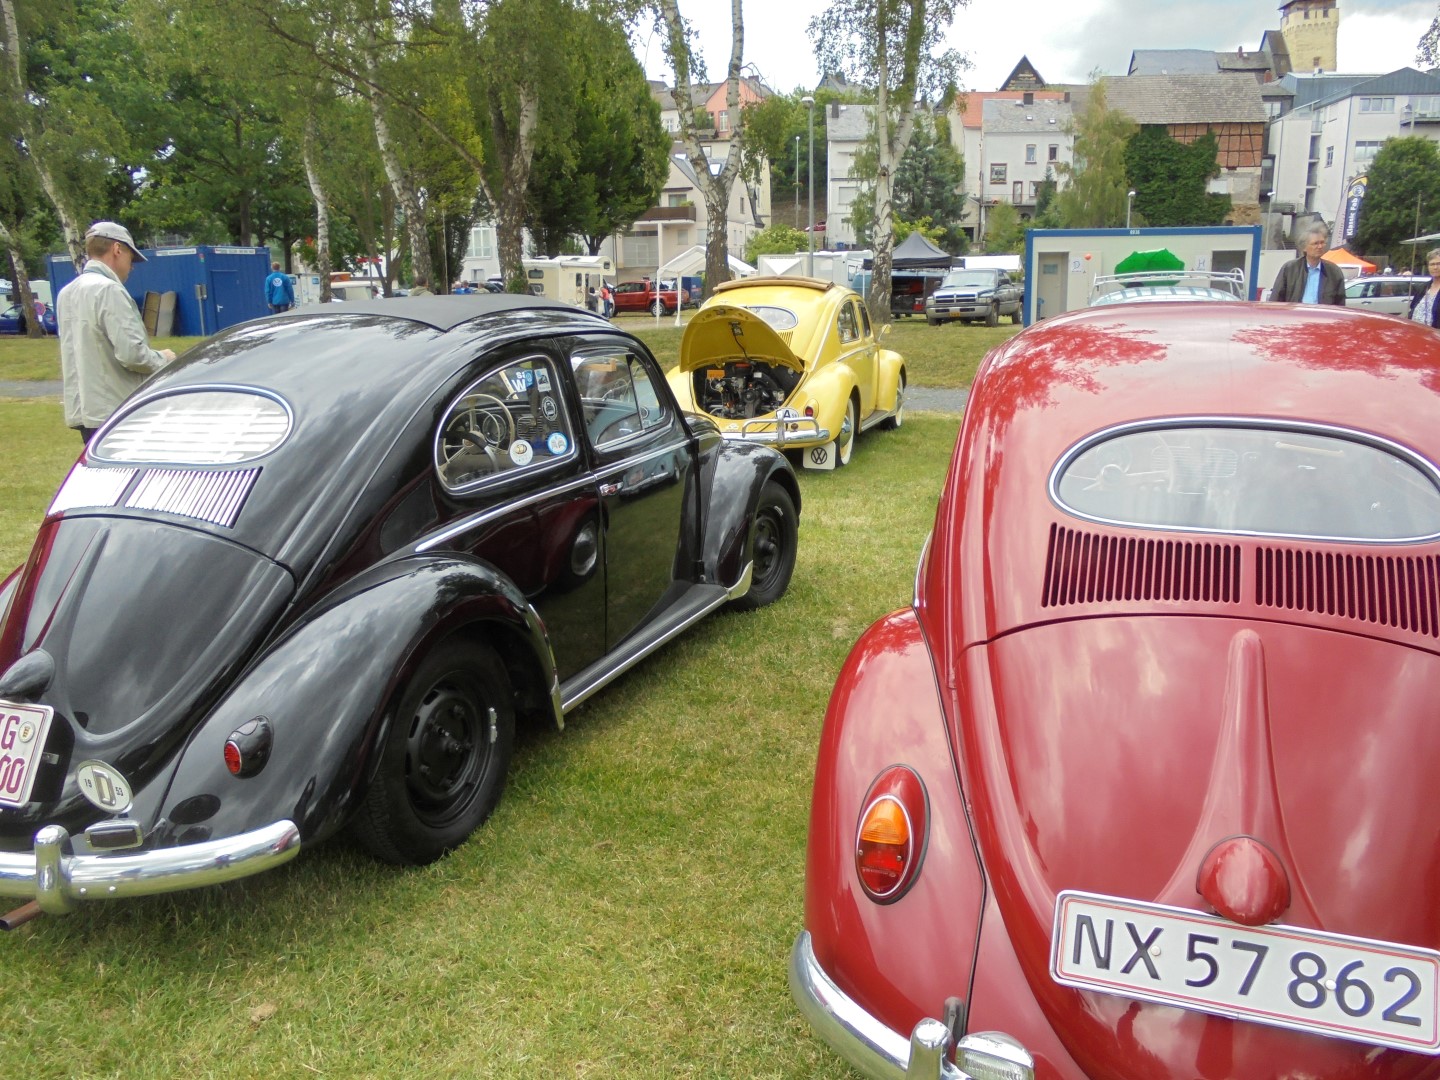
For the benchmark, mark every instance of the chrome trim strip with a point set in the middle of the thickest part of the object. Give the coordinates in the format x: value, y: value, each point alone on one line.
x: 209, y: 496
x: 738, y: 589
x: 1261, y: 423
x: 91, y: 487
x: 631, y: 462
x: 480, y: 517
x: 58, y: 882
x: 872, y: 1048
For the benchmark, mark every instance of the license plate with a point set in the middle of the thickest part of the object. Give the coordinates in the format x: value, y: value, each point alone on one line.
x: 22, y: 740
x: 1309, y: 980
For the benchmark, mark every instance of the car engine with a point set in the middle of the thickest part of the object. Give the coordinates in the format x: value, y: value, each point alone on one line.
x: 743, y: 389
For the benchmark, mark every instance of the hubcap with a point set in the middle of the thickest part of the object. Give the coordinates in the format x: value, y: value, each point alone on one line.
x: 445, y: 751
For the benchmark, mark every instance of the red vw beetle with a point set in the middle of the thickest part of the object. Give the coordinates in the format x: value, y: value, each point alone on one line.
x: 1143, y: 783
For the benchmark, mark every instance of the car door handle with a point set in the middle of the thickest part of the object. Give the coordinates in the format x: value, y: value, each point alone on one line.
x: 610, y: 489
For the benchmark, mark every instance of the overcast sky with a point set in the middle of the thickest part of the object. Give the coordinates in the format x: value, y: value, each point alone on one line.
x: 1065, y: 39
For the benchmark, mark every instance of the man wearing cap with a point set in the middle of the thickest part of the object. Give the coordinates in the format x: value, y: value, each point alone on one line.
x: 104, y: 352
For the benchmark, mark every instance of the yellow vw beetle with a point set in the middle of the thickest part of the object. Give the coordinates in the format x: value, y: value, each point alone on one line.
x: 792, y: 363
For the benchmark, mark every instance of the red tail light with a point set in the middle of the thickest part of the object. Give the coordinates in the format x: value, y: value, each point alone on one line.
x: 890, y: 838
x: 248, y: 747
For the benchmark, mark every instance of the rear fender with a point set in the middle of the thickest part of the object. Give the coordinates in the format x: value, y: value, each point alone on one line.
x: 739, y: 473
x: 831, y: 387
x: 325, y: 688
x: 891, y: 368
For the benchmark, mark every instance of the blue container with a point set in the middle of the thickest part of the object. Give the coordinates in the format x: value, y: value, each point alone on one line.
x: 214, y: 287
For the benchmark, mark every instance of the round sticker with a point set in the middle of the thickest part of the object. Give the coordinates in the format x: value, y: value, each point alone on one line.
x: 547, y: 407
x: 557, y: 444
x: 520, y: 452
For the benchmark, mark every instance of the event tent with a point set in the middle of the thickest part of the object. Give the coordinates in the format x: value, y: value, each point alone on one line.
x: 1353, y: 265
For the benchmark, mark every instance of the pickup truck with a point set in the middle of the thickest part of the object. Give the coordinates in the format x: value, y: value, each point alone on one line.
x: 649, y: 296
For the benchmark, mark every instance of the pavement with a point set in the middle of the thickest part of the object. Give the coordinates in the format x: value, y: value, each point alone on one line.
x: 917, y: 398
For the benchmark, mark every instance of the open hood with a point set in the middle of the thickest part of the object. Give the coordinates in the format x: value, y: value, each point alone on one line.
x: 724, y: 333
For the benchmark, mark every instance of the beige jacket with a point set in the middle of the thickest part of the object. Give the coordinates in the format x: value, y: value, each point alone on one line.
x: 104, y: 353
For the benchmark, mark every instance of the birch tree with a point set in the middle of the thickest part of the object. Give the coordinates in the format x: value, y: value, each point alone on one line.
x: 892, y: 48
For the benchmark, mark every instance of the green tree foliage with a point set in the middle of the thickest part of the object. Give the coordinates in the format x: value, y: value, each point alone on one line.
x: 1004, y: 231
x: 930, y: 184
x: 1402, y: 198
x: 615, y: 163
x: 775, y: 240
x: 1169, y: 179
x: 1095, y: 196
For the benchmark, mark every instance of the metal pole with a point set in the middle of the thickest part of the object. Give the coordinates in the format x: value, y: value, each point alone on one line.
x: 1417, y: 232
x: 797, y: 177
x: 1129, y: 202
x: 810, y: 232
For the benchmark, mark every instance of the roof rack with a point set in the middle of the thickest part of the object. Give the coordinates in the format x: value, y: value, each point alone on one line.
x: 1230, y: 281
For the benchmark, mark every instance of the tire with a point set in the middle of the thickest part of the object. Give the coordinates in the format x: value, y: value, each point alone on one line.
x: 892, y: 423
x: 992, y: 317
x: 446, y: 753
x: 774, y: 538
x: 657, y: 307
x: 1017, y: 317
x: 933, y: 322
x: 845, y: 441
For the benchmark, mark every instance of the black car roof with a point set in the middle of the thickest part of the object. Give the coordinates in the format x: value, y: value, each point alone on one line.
x: 444, y: 313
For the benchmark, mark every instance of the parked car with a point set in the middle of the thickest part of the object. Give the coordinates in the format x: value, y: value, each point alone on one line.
x: 1140, y: 785
x: 979, y: 295
x: 276, y: 599
x: 1146, y: 286
x: 656, y: 298
x: 1389, y: 294
x: 911, y: 290
x: 792, y: 363
x: 13, y: 320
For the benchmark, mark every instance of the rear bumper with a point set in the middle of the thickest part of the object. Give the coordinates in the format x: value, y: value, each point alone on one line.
x: 797, y: 431
x: 871, y: 1048
x: 59, y: 881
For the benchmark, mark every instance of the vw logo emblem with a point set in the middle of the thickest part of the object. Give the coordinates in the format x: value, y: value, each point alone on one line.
x: 819, y: 455
x: 104, y: 786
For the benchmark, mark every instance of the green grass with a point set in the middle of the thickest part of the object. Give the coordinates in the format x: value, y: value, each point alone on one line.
x: 24, y: 359
x: 627, y: 912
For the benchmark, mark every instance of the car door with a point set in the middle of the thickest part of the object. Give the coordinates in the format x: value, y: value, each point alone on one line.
x: 857, y: 350
x: 1009, y: 295
x: 522, y: 498
x: 643, y: 464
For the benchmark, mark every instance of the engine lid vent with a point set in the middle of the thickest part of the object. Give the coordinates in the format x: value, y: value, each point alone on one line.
x: 1085, y: 568
x: 1398, y: 591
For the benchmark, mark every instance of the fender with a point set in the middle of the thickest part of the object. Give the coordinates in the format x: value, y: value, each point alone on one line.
x: 325, y: 688
x: 735, y: 477
x: 891, y: 368
x: 831, y: 388
x: 902, y: 960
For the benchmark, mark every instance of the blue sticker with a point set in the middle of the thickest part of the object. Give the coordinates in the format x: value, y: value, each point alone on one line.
x: 557, y: 443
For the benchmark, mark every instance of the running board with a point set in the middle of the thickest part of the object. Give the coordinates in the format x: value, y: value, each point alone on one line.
x: 698, y: 601
x: 875, y: 418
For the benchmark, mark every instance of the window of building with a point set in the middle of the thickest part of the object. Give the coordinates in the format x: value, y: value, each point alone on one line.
x: 1054, y: 152
x: 1425, y: 106
x: 1377, y: 104
x: 1017, y: 192
x: 482, y: 242
x: 998, y: 173
x: 1030, y: 153
x: 723, y: 120
x: 1034, y: 190
x: 1366, y: 151
x: 1329, y: 156
x: 676, y: 198
x: 642, y: 249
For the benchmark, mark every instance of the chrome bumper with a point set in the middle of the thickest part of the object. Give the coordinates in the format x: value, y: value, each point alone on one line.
x: 868, y: 1045
x: 779, y: 432
x: 59, y: 881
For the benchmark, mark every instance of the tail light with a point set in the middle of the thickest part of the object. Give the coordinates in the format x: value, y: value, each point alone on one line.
x: 890, y: 839
x: 248, y: 747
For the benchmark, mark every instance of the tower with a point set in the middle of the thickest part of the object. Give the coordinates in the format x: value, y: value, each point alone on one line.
x: 1311, y: 29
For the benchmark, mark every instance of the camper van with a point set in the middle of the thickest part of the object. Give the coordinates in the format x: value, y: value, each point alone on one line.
x: 568, y: 278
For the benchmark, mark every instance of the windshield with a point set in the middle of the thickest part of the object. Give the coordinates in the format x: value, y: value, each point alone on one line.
x: 982, y: 278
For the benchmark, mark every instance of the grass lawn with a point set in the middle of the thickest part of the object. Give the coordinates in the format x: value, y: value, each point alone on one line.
x: 627, y: 912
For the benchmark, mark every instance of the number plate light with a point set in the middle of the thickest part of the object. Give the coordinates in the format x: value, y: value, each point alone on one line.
x: 990, y: 1055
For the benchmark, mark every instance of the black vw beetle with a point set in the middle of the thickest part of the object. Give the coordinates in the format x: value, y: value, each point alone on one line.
x: 311, y: 576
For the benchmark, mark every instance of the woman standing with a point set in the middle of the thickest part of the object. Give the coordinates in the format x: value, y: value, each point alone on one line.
x: 1425, y: 307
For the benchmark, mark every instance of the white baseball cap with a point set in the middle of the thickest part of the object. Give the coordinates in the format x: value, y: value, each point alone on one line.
x: 112, y: 230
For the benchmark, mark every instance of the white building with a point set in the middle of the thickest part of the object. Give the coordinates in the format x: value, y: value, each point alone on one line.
x: 847, y: 127
x: 1021, y: 140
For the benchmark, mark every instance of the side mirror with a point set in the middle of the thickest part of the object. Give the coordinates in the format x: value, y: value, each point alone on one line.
x: 886, y: 328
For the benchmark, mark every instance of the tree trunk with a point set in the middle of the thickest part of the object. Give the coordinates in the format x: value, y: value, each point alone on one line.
x: 517, y: 150
x: 322, y: 208
x: 400, y: 183
x: 19, y: 94
x: 21, y: 279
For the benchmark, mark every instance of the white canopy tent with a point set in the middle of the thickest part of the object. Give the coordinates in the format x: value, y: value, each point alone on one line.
x: 691, y: 262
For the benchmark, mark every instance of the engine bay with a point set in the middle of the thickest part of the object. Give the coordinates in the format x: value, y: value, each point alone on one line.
x: 743, y: 389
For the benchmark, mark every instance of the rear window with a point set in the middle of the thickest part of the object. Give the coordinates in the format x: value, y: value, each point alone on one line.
x: 197, y: 427
x: 1305, y: 481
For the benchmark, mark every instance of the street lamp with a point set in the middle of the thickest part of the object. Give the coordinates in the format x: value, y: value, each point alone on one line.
x: 809, y: 103
x: 1129, y: 201
x: 797, y: 177
x: 1269, y: 214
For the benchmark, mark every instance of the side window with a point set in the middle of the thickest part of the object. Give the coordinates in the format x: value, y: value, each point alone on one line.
x: 865, y: 321
x: 508, y: 421
x: 618, y: 397
x: 849, y: 326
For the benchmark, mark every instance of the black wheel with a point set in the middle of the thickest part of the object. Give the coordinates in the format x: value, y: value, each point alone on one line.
x: 992, y: 317
x: 446, y: 753
x: 774, y: 536
x: 1017, y: 317
x: 845, y: 441
x: 933, y: 322
x: 890, y: 423
x: 657, y: 307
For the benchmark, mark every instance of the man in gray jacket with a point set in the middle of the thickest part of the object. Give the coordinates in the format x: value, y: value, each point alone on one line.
x: 1310, y: 279
x: 104, y: 352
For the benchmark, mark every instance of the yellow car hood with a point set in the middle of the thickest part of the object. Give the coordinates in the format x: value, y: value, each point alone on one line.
x: 725, y: 332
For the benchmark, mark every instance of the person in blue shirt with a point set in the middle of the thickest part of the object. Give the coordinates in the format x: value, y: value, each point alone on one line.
x: 1310, y: 279
x: 279, y: 290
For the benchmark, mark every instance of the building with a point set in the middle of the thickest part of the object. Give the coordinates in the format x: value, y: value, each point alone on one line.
x: 1023, y: 142
x: 1311, y: 29
x: 846, y: 127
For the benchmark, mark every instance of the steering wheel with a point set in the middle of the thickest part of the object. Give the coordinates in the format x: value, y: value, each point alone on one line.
x: 484, y: 415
